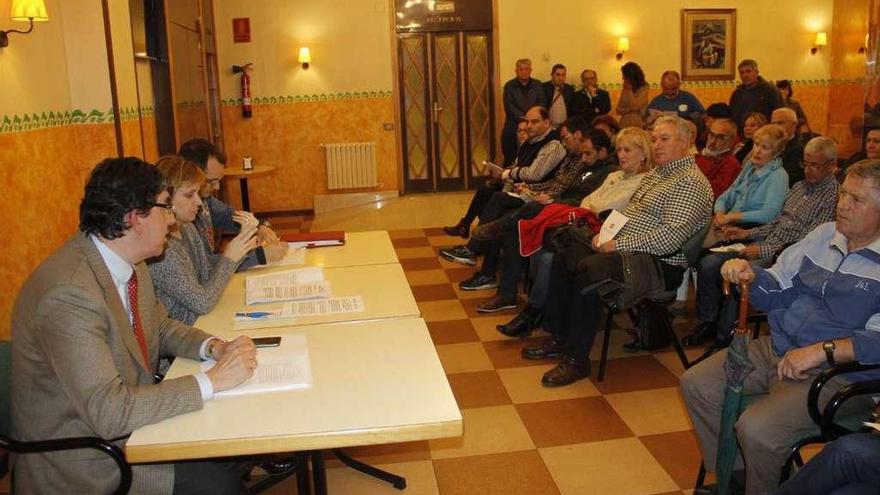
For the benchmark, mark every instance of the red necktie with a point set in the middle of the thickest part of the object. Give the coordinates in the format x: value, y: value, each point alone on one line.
x: 136, y: 317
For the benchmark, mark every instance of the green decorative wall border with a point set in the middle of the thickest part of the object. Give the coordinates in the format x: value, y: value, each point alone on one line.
x: 269, y: 100
x: 733, y: 83
x: 45, y: 120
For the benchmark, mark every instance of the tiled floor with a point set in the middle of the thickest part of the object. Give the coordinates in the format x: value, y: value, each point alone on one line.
x: 627, y: 435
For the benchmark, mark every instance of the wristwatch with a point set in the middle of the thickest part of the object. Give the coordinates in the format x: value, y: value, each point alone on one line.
x: 828, y: 346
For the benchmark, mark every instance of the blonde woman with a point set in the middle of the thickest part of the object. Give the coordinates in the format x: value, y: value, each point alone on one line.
x: 188, y: 281
x: 633, y: 147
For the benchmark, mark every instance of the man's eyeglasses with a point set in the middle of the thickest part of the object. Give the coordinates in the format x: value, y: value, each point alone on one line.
x: 167, y: 207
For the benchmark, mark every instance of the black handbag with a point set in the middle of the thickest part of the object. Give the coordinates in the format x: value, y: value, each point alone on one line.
x: 650, y: 331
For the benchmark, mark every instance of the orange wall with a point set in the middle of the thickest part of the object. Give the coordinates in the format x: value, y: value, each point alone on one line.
x: 48, y: 168
x: 288, y: 136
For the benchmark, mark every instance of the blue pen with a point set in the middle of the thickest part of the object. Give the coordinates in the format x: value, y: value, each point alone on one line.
x: 255, y: 314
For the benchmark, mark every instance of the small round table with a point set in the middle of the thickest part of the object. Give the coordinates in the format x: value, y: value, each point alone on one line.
x: 242, y: 176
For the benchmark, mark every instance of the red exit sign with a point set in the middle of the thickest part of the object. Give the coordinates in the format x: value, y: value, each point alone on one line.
x: 241, y: 30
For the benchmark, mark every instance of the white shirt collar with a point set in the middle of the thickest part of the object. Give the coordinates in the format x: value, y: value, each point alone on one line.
x: 120, y: 270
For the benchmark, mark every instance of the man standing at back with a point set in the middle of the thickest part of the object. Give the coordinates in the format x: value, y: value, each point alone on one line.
x: 754, y: 94
x: 590, y: 101
x: 87, y: 334
x: 559, y: 96
x: 674, y: 100
x: 520, y: 94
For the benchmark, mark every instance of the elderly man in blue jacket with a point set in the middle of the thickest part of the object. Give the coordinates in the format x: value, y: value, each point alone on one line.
x: 823, y: 300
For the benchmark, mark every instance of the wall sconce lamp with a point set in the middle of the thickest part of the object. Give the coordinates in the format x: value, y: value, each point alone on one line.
x: 821, y: 40
x: 25, y: 11
x: 305, y: 57
x: 622, y: 47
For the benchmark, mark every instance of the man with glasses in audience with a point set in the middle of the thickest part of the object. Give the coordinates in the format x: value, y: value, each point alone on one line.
x: 87, y: 335
x: 217, y: 217
x: 717, y: 161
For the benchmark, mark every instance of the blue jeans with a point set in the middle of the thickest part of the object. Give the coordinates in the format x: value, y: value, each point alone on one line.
x: 849, y: 465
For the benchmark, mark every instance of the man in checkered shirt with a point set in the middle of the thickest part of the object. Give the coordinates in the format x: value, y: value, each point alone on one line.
x: 672, y: 204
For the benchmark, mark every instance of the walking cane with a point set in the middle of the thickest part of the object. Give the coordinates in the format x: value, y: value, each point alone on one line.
x: 742, y: 320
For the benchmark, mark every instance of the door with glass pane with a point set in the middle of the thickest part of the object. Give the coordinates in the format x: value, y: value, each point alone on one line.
x: 446, y: 109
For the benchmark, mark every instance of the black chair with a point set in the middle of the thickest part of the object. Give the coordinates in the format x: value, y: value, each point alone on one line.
x: 830, y: 426
x: 8, y: 444
x: 657, y: 303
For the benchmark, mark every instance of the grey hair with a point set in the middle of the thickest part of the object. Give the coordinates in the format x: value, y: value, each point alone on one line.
x: 524, y: 61
x: 792, y: 115
x: 867, y: 169
x: 824, y: 146
x: 682, y: 129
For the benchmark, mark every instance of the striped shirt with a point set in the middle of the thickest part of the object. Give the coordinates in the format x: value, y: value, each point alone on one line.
x: 806, y: 207
x: 673, y: 203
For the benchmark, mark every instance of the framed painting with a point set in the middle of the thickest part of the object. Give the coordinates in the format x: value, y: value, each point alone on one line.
x: 708, y: 44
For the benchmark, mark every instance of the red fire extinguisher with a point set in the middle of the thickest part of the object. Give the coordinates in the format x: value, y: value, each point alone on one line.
x: 245, y: 89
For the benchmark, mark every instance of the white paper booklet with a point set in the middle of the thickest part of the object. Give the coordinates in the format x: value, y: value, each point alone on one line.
x: 733, y: 248
x: 294, y: 256
x: 292, y: 285
x: 285, y: 367
x: 611, y: 226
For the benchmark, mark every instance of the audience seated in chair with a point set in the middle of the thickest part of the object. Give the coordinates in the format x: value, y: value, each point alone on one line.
x: 871, y: 150
x: 716, y: 161
x: 672, y: 203
x: 633, y: 146
x: 808, y: 204
x: 536, y: 161
x: 849, y: 465
x: 823, y: 302
x: 743, y: 149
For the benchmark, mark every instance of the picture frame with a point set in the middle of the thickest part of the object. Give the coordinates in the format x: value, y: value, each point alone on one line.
x: 708, y: 44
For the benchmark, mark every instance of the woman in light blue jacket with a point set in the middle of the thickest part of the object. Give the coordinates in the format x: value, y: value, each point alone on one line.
x: 759, y: 191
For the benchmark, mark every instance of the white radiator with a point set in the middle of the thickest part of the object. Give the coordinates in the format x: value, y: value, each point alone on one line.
x: 350, y: 165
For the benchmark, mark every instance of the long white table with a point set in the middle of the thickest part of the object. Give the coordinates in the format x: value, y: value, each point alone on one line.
x: 361, y: 248
x: 384, y: 289
x: 374, y: 382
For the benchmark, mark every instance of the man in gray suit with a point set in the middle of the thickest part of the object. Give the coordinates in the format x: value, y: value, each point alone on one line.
x: 87, y: 334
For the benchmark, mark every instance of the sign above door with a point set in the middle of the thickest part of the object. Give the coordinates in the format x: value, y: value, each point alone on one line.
x: 420, y: 16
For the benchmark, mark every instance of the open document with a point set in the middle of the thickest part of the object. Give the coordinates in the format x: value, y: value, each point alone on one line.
x: 611, y: 226
x: 732, y: 248
x: 285, y: 367
x: 292, y: 285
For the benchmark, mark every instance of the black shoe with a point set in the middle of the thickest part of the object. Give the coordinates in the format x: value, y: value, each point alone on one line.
x: 460, y: 229
x: 547, y: 348
x: 459, y: 254
x: 480, y: 282
x: 521, y: 325
x: 634, y: 346
x: 702, y: 333
x: 566, y: 372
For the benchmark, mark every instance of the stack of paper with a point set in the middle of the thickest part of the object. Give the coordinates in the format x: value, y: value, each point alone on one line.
x: 292, y: 285
x: 285, y: 367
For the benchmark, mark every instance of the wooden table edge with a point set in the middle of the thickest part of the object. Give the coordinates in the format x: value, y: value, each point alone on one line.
x: 290, y: 443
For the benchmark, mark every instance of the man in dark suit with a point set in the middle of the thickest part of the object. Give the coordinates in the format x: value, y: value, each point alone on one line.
x: 590, y: 101
x: 87, y: 334
x: 559, y: 96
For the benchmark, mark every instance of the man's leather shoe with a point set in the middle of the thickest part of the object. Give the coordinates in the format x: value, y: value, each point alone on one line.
x: 704, y: 332
x: 521, y: 325
x: 460, y: 229
x: 566, y: 372
x: 547, y: 348
x: 496, y: 304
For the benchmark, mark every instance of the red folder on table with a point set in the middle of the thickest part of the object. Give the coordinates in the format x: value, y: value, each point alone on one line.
x: 315, y: 239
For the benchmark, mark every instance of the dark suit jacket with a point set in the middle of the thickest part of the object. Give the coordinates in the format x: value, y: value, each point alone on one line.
x: 600, y: 104
x: 567, y: 96
x: 79, y: 372
x: 792, y: 156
